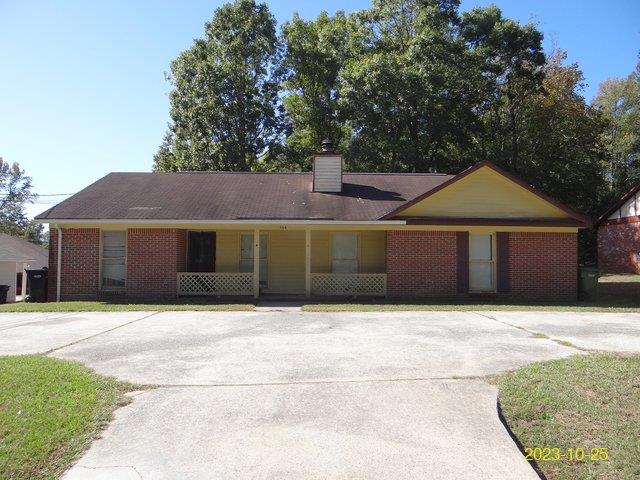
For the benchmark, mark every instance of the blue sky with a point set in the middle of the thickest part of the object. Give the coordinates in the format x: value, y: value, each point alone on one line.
x: 82, y: 89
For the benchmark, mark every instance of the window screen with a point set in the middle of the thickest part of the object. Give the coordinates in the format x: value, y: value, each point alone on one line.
x: 344, y: 253
x: 114, y: 268
x: 481, y: 263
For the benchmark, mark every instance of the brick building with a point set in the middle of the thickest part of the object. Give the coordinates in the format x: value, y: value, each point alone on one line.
x: 619, y: 235
x: 321, y: 233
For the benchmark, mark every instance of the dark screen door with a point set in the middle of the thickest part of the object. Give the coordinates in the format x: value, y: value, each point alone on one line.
x: 202, y: 251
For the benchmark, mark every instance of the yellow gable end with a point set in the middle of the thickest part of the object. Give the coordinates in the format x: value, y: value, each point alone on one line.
x: 484, y: 194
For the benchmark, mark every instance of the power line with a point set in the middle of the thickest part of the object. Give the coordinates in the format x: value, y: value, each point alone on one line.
x: 43, y: 194
x: 53, y: 194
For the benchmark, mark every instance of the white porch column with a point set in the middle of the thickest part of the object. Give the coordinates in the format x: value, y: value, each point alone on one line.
x: 24, y: 281
x: 58, y: 262
x: 256, y: 263
x: 307, y: 263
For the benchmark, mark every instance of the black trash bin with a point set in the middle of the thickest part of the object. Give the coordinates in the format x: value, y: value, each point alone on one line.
x: 3, y: 293
x: 37, y: 285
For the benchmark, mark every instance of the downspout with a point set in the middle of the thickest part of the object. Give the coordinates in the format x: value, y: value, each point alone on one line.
x: 59, y: 262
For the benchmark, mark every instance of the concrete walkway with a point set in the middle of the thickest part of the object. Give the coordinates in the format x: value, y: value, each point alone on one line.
x: 310, y: 395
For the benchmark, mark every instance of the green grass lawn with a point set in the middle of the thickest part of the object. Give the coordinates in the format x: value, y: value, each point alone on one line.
x: 582, y: 402
x: 389, y: 306
x: 119, y: 306
x: 50, y: 410
x: 616, y: 293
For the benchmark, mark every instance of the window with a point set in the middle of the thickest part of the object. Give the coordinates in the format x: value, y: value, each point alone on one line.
x: 201, y: 256
x: 344, y: 253
x: 481, y: 263
x: 114, y: 265
x: 246, y: 255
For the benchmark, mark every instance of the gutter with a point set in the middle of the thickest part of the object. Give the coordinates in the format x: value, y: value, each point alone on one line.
x: 161, y: 221
x: 58, y: 263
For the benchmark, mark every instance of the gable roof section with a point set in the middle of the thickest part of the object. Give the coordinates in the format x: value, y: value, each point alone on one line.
x: 240, y: 196
x: 546, y: 210
x: 14, y: 249
x: 618, y: 204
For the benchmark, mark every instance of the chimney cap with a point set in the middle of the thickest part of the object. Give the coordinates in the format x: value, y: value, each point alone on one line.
x: 327, y: 146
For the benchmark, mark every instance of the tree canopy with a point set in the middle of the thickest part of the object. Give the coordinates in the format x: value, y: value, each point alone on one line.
x: 224, y: 105
x: 15, y: 193
x: 403, y: 86
x: 619, y: 101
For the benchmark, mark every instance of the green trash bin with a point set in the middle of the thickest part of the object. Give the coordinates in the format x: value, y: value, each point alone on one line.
x: 588, y: 284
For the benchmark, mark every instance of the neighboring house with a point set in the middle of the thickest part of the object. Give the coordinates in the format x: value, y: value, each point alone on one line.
x: 17, y: 254
x: 318, y: 233
x: 619, y: 235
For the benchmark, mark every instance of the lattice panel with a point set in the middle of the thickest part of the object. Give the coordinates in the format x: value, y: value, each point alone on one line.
x: 370, y: 284
x: 217, y: 283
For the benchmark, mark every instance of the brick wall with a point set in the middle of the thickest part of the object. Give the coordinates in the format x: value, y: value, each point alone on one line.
x: 80, y: 263
x: 154, y: 256
x: 619, y: 248
x: 543, y: 266
x: 421, y: 264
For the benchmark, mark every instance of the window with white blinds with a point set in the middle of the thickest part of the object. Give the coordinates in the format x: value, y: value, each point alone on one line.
x: 481, y: 263
x: 344, y: 253
x: 114, y: 256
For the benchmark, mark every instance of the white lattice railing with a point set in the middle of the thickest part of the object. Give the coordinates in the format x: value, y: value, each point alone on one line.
x: 215, y: 283
x: 370, y: 284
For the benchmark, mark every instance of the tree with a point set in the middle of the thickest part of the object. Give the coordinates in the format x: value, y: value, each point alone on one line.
x: 315, y: 54
x: 224, y: 105
x: 619, y: 101
x: 410, y: 93
x: 15, y: 193
x: 561, y: 148
x: 511, y: 60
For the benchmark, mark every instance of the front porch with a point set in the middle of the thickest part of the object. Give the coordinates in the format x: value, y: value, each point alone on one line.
x: 291, y: 262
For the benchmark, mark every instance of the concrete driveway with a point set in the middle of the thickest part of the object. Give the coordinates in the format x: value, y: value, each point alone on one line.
x: 310, y: 395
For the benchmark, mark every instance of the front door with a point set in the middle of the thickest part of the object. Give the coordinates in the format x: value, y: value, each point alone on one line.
x: 202, y: 251
x: 246, y: 255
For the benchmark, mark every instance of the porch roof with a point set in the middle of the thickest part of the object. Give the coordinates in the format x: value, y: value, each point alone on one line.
x: 241, y: 196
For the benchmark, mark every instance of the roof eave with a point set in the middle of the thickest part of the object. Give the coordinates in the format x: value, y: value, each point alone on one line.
x: 217, y: 222
x: 507, y: 222
x: 619, y: 203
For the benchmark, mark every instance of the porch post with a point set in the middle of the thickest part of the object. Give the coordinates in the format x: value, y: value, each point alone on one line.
x: 256, y: 263
x: 24, y: 281
x: 307, y: 263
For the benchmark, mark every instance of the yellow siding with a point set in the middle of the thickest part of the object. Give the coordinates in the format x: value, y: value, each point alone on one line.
x: 371, y: 252
x: 484, y: 194
x: 286, y: 261
x: 320, y: 252
x: 286, y: 255
x: 227, y: 251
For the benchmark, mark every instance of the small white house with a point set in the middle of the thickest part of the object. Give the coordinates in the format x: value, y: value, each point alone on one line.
x: 17, y: 254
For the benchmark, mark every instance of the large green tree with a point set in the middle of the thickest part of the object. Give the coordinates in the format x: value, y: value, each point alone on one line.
x: 315, y: 54
x: 511, y: 60
x: 560, y: 139
x: 224, y: 104
x: 409, y: 94
x: 619, y: 101
x: 15, y: 193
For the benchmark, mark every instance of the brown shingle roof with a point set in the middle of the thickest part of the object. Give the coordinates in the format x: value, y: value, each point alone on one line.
x: 240, y: 196
x: 14, y: 249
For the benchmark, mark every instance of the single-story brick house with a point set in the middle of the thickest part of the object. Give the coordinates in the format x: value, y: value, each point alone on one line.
x: 317, y: 233
x: 619, y: 235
